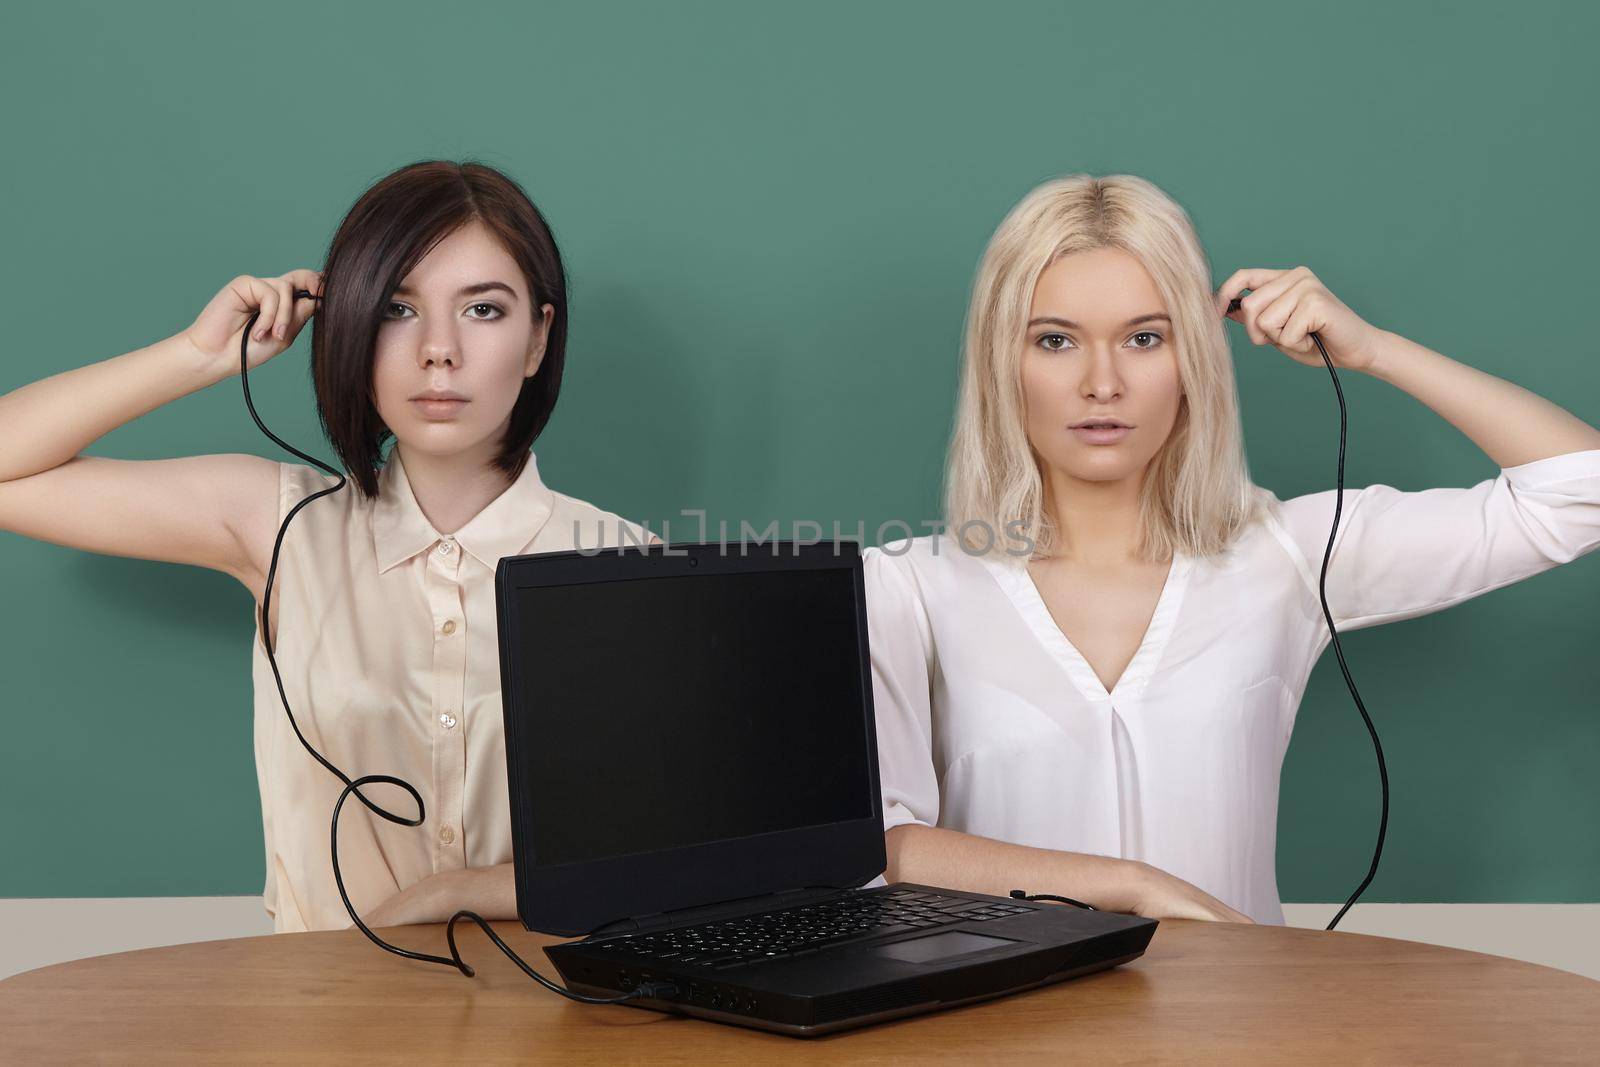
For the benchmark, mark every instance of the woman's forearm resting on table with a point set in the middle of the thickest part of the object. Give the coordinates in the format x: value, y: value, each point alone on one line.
x: 916, y: 854
x: 1512, y: 425
x: 931, y: 855
x: 489, y: 891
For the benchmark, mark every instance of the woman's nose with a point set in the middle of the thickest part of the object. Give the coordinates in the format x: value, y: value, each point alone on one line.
x: 440, y: 346
x: 1100, y: 379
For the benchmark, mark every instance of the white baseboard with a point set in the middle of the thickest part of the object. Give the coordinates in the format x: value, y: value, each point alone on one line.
x: 39, y: 932
x: 36, y: 932
x: 1564, y: 936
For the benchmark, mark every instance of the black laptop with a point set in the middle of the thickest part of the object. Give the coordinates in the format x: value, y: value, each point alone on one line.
x: 694, y: 788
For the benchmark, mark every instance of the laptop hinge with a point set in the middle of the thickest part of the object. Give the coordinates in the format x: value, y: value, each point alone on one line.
x: 727, y: 909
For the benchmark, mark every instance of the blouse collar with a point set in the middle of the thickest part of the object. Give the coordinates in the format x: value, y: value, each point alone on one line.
x: 505, y: 527
x: 1015, y: 580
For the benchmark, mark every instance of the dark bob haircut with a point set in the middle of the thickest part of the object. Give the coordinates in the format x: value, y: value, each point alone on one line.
x: 388, y: 232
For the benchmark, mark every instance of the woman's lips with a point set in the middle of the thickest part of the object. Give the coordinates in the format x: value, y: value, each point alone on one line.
x: 1103, y: 435
x: 439, y: 409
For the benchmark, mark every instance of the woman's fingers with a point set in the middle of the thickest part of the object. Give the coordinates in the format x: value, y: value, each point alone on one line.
x: 261, y: 313
x: 1242, y: 279
x: 309, y: 280
x: 1263, y: 298
x: 301, y: 308
x: 1300, y: 323
x: 285, y: 314
x: 267, y: 304
x: 1273, y: 317
x: 1267, y: 288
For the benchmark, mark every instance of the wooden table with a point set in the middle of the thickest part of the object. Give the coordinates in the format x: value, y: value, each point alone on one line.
x: 1203, y: 991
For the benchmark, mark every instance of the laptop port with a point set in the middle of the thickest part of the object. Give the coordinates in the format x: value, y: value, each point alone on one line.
x: 624, y: 980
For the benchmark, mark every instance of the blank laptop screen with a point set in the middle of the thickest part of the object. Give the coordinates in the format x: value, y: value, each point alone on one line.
x: 676, y: 711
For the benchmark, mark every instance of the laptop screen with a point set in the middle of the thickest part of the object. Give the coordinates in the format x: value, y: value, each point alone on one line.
x: 676, y: 711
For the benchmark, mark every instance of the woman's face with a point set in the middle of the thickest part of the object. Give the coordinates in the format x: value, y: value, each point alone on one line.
x: 462, y: 322
x: 1098, y: 346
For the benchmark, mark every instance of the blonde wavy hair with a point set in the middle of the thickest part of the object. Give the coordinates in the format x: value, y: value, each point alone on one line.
x: 1197, y: 494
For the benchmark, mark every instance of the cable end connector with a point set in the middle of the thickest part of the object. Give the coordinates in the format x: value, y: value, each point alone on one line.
x: 1018, y: 894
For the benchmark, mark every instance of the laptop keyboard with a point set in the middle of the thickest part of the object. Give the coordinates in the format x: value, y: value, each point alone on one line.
x: 807, y: 928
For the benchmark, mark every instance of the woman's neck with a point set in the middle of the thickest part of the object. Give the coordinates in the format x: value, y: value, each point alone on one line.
x: 1097, y: 521
x: 451, y: 490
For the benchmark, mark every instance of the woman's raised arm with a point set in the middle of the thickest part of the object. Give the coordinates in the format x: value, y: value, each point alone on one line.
x: 1399, y: 554
x: 197, y: 510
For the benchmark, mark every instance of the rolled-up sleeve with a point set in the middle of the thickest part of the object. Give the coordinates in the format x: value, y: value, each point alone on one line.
x: 902, y: 664
x: 1398, y: 555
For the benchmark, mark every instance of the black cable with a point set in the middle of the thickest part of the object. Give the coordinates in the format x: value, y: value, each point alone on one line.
x: 1021, y: 895
x: 1322, y: 592
x: 650, y: 989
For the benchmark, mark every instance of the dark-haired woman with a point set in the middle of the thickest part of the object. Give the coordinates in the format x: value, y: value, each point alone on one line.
x: 441, y: 325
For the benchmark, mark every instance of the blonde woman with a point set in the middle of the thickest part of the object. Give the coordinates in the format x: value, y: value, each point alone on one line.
x: 1086, y: 684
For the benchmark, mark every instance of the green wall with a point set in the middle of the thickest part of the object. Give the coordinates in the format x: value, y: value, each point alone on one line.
x: 771, y: 215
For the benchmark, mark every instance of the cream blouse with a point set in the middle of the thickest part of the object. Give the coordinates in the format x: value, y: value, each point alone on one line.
x: 387, y: 646
x: 990, y: 721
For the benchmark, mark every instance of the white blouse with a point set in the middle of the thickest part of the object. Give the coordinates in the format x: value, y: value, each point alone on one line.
x: 990, y: 722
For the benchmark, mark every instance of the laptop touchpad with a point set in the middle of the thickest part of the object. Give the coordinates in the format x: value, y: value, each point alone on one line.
x: 939, y: 946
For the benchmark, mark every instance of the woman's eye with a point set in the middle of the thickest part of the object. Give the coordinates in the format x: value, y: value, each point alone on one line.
x: 389, y: 312
x: 1056, y: 342
x: 492, y: 307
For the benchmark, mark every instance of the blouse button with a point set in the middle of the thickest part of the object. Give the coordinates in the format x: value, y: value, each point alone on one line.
x: 449, y: 627
x: 446, y: 834
x: 447, y: 720
x: 445, y: 548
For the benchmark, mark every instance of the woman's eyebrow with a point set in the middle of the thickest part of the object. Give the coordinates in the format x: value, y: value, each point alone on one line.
x: 470, y: 290
x: 1069, y: 324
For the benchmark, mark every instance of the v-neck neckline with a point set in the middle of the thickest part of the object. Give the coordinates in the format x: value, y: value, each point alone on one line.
x: 1018, y: 584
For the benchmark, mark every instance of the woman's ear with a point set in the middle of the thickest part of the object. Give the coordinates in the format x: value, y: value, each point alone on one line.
x: 541, y: 337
